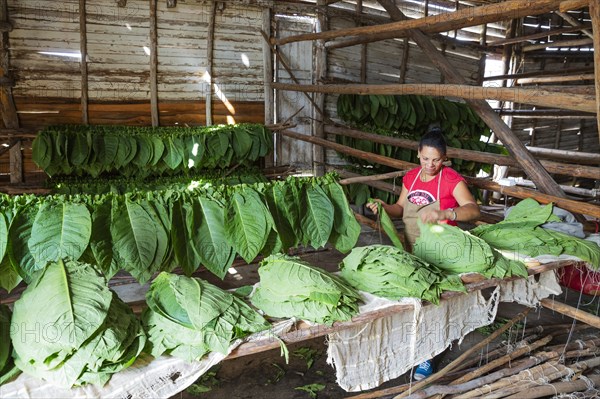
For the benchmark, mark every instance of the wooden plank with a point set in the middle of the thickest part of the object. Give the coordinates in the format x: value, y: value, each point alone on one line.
x: 84, y: 56
x: 445, y: 22
x: 154, y: 64
x: 576, y: 102
x: 595, y: 16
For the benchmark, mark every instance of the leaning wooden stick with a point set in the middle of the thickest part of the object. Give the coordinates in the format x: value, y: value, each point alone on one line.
x: 465, y: 355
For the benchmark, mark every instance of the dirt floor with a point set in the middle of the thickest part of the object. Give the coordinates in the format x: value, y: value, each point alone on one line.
x: 266, y: 374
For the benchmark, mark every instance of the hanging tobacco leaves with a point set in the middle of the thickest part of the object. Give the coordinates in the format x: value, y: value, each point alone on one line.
x: 70, y: 329
x: 188, y: 317
x: 145, y: 151
x: 8, y: 370
x: 145, y: 232
x: 290, y: 287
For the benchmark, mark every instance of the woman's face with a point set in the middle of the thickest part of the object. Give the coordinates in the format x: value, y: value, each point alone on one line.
x: 431, y: 160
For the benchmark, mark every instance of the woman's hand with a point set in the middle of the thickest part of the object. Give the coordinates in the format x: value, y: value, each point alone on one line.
x: 372, y: 205
x: 432, y: 215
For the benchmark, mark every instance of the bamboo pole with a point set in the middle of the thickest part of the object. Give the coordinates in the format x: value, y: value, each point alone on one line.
x: 445, y: 22
x: 572, y: 312
x: 456, y: 362
x: 595, y: 16
x: 210, y: 47
x: 470, y: 155
x: 544, y: 98
x: 84, y: 69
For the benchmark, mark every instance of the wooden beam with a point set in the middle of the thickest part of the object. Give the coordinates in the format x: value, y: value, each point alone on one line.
x: 320, y: 74
x: 556, y: 79
x: 154, y: 64
x: 575, y: 22
x: 352, y: 178
x: 572, y: 312
x: 595, y: 16
x: 568, y: 5
x: 578, y: 207
x: 576, y: 102
x: 562, y: 43
x: 533, y: 36
x: 84, y: 69
x: 210, y: 38
x: 531, y: 74
x: 470, y: 155
x: 7, y: 103
x: 268, y: 80
x: 445, y: 22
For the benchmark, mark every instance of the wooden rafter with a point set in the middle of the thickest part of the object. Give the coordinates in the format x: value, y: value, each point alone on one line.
x: 534, y: 36
x: 575, y: 23
x: 535, y: 74
x: 560, y: 43
x: 575, y: 102
x: 466, y: 17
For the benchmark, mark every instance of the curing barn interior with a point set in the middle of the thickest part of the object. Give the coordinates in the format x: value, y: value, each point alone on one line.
x: 299, y: 199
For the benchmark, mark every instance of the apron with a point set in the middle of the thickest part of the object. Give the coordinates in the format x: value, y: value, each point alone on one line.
x: 411, y: 213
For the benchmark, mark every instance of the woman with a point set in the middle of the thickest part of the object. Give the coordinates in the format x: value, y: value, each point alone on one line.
x: 435, y: 194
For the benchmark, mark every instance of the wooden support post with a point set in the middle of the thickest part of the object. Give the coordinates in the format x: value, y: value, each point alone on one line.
x: 558, y: 134
x: 595, y: 15
x: 576, y: 102
x: 84, y: 69
x: 363, y: 47
x: 268, y: 81
x: 154, y: 64
x: 9, y: 110
x: 319, y: 76
x: 482, y: 58
x: 209, y: 60
x: 404, y: 64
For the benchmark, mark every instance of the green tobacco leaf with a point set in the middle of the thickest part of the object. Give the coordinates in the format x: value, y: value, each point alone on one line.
x: 184, y: 223
x: 246, y: 224
x: 280, y: 200
x: 388, y: 226
x: 9, y: 276
x: 60, y: 231
x: 101, y: 239
x: 18, y: 251
x: 317, y: 220
x: 214, y: 250
x: 134, y: 238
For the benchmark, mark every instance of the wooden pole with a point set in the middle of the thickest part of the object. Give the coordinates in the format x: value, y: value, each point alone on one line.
x: 580, y: 157
x: 561, y: 43
x: 404, y: 64
x: 576, y: 102
x: 569, y: 5
x: 445, y: 22
x: 535, y: 74
x: 269, y: 100
x: 553, y: 79
x: 320, y: 75
x: 154, y: 64
x: 361, y: 179
x: 595, y: 16
x: 363, y: 47
x: 210, y: 38
x: 471, y: 155
x: 578, y: 207
x: 533, y: 36
x: 482, y: 57
x: 515, y: 147
x: 9, y: 110
x: 575, y: 22
x: 572, y: 312
x: 84, y: 69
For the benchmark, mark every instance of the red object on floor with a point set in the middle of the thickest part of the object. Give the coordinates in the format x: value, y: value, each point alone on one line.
x: 580, y: 278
